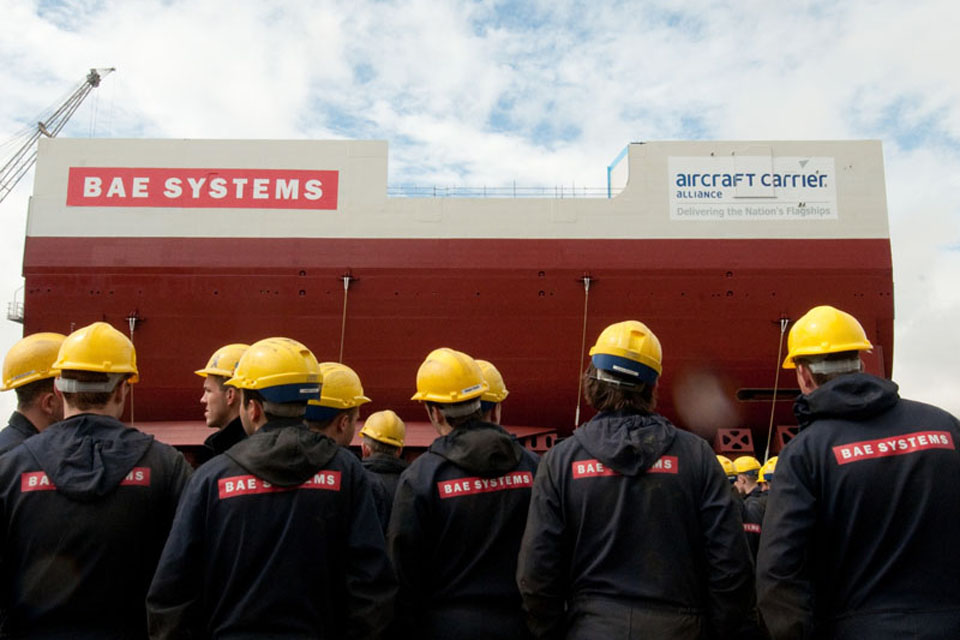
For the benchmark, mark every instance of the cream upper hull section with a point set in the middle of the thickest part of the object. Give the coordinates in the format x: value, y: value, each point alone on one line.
x: 642, y: 210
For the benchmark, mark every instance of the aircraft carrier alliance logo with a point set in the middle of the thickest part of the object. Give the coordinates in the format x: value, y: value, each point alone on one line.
x: 752, y: 188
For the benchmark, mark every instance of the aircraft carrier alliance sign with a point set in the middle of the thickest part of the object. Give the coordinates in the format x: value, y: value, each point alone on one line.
x: 752, y: 188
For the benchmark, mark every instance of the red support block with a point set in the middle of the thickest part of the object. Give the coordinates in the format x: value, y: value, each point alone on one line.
x: 785, y: 433
x: 733, y: 441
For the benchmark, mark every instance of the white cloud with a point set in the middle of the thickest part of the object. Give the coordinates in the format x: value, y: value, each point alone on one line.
x: 538, y: 92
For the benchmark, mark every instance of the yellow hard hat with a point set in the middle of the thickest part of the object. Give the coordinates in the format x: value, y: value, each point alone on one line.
x: 31, y: 359
x: 449, y: 376
x: 341, y: 387
x: 496, y: 389
x: 744, y: 464
x: 727, y: 465
x: 280, y: 369
x: 767, y: 470
x: 824, y: 330
x: 223, y: 361
x: 98, y: 347
x: 385, y: 427
x: 629, y: 348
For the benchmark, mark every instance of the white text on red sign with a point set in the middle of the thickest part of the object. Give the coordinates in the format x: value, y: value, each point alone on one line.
x: 202, y: 188
x: 39, y: 481
x: 472, y: 486
x: 893, y: 446
x: 252, y: 485
x: 595, y: 468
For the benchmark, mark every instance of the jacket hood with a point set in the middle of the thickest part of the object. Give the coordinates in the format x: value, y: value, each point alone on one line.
x: 857, y: 396
x: 380, y: 463
x: 628, y: 443
x: 483, y: 448
x: 87, y: 456
x: 284, y: 452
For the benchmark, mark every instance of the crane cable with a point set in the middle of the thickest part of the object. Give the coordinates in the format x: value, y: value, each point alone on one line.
x: 776, y: 384
x: 583, y: 346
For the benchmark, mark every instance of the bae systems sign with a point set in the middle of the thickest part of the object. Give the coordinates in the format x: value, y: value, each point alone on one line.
x: 752, y: 188
x: 202, y: 188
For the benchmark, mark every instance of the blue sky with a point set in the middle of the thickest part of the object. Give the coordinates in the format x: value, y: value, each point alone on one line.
x: 537, y: 93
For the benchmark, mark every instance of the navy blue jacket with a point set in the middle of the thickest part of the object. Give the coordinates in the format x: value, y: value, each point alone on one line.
x: 633, y: 533
x: 221, y: 440
x: 754, y: 505
x: 454, y: 534
x: 85, y: 508
x: 384, y: 473
x: 17, y: 430
x: 276, y: 538
x: 861, y: 529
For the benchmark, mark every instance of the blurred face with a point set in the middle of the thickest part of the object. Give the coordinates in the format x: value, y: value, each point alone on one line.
x: 348, y: 427
x: 218, y: 403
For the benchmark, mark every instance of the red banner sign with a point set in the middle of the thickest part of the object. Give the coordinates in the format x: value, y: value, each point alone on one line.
x: 472, y: 486
x: 202, y: 188
x: 252, y: 485
x: 892, y: 446
x: 596, y: 469
x: 38, y: 480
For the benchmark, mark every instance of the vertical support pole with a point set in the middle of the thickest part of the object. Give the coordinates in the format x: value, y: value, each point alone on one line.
x: 583, y: 346
x: 784, y: 321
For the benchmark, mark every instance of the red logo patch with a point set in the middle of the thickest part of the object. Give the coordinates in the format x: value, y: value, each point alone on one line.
x: 666, y: 464
x: 893, y: 446
x: 473, y: 486
x: 35, y: 481
x: 235, y: 486
x: 751, y: 528
x: 591, y: 469
x: 596, y: 469
x: 202, y: 188
x: 38, y: 480
x: 138, y: 477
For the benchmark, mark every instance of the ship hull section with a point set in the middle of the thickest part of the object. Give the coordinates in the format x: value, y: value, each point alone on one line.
x: 716, y: 305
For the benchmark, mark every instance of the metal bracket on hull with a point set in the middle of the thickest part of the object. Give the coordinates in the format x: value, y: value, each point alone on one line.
x: 132, y: 321
x: 347, y: 279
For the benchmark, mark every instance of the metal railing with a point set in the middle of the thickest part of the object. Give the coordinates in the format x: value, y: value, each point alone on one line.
x: 514, y: 191
x: 15, y: 311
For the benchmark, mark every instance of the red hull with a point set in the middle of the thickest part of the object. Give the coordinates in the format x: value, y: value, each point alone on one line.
x: 714, y: 303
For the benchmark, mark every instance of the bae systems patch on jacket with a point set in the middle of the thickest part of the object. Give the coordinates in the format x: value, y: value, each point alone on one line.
x: 861, y: 523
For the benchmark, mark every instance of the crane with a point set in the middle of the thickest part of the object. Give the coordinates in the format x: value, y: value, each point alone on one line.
x: 25, y: 154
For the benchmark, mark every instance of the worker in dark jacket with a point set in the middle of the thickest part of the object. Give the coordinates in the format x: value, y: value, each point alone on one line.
x: 459, y: 513
x: 28, y: 370
x: 278, y: 536
x: 632, y: 530
x: 221, y: 403
x: 381, y: 444
x: 335, y: 415
x: 860, y: 536
x: 86, y: 505
x: 747, y: 469
x: 491, y: 402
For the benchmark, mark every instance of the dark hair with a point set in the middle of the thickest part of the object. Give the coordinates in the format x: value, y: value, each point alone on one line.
x: 321, y: 425
x: 640, y: 397
x: 249, y: 395
x: 822, y: 378
x: 457, y: 421
x: 85, y: 400
x: 380, y: 447
x: 28, y: 393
